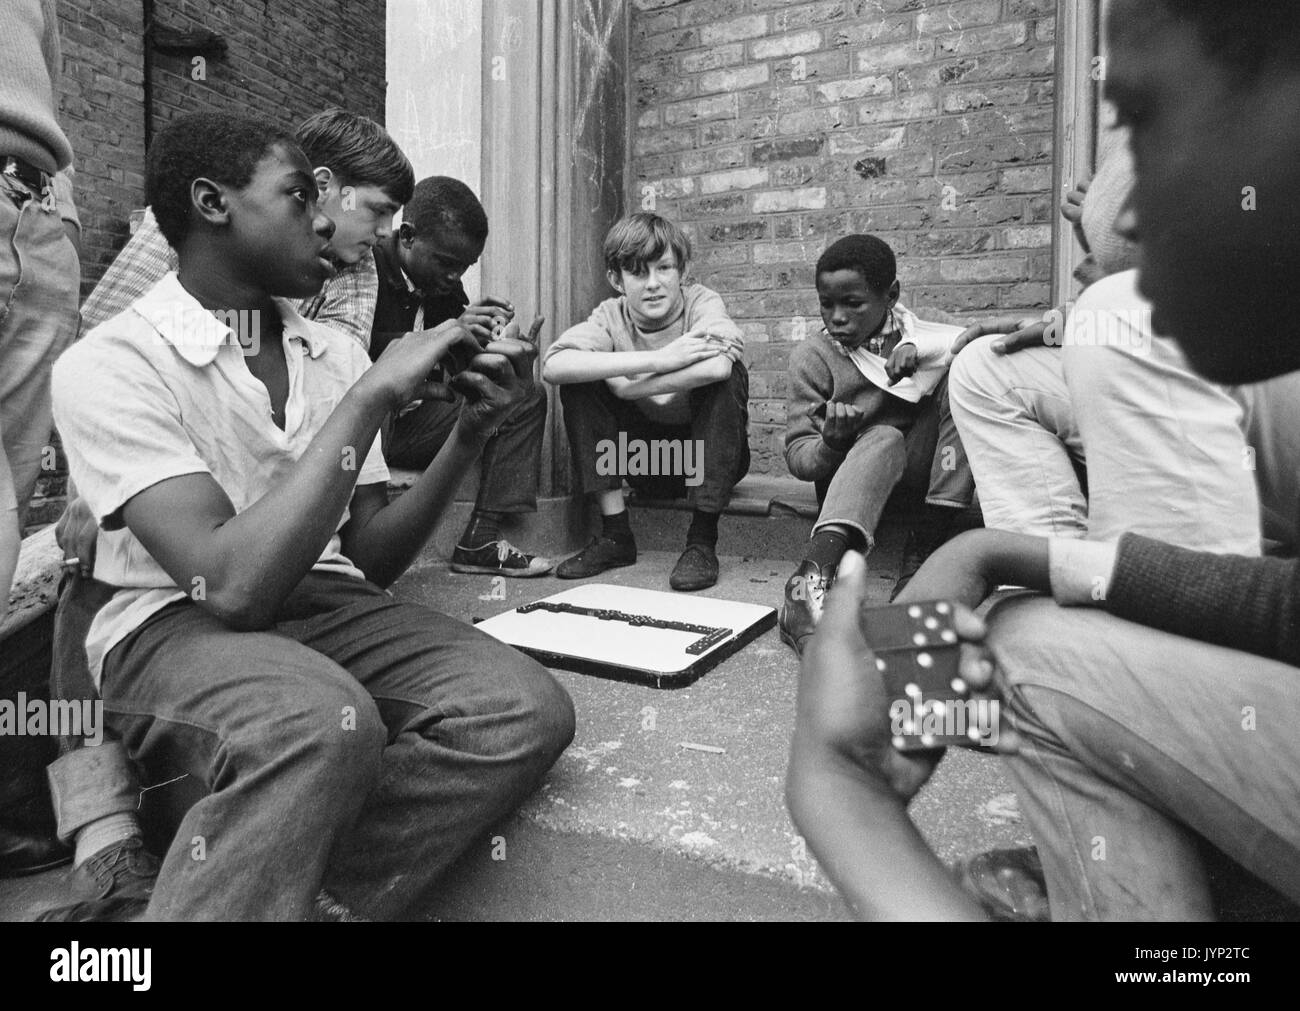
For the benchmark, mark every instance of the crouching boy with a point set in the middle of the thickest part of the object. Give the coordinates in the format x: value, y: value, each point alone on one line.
x: 868, y: 409
x: 346, y: 739
x: 653, y: 375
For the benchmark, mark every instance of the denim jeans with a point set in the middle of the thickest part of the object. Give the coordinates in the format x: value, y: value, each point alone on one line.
x: 1164, y: 449
x: 39, y: 282
x: 719, y: 420
x: 361, y: 745
x: 928, y: 454
x: 1137, y: 742
x: 509, y: 469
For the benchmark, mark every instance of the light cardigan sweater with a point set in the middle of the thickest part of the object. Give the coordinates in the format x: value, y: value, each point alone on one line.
x: 29, y: 72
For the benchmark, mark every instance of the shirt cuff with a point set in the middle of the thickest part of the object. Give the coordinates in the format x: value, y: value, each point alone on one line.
x: 1080, y: 570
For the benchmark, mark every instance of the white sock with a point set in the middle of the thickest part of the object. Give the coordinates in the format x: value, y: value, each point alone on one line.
x: 104, y: 832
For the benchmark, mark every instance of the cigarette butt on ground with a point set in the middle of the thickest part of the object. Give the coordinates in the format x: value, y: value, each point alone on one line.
x: 692, y: 746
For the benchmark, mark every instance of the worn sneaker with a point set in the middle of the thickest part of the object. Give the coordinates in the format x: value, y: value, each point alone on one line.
x: 601, y: 554
x: 114, y: 884
x: 499, y: 558
x: 696, y: 569
x: 801, y: 610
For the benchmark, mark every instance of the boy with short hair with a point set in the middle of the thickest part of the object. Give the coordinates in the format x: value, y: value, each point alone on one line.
x: 364, y: 179
x: 662, y: 362
x: 868, y: 407
x: 443, y: 231
x: 246, y: 535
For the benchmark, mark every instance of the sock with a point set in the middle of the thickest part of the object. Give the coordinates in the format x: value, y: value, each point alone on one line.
x: 484, y: 528
x: 827, y: 547
x: 104, y: 832
x: 703, y: 529
x: 617, y: 527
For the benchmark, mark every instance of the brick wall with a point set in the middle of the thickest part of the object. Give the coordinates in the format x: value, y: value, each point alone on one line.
x: 101, y: 110
x: 284, y: 60
x: 769, y: 128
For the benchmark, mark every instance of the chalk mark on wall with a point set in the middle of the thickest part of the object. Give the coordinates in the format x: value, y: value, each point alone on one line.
x: 594, y: 24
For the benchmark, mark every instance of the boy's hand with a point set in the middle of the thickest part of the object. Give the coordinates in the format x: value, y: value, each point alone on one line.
x: 497, y: 381
x: 902, y: 363
x: 486, y: 317
x: 511, y: 331
x: 77, y: 533
x: 843, y: 702
x: 402, y: 372
x: 686, y: 350
x: 1072, y: 211
x: 1015, y: 333
x: 842, y: 425
x: 731, y: 346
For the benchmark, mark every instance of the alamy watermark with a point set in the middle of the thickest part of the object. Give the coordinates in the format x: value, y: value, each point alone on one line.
x: 1128, y: 329
x: 191, y: 326
x: 977, y: 720
x: 26, y: 717
x: 653, y: 458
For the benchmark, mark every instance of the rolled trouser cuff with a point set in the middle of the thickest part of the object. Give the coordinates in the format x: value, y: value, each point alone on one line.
x: 89, y: 784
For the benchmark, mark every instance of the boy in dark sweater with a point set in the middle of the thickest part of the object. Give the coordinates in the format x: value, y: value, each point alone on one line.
x: 868, y: 409
x: 1135, y: 700
x: 443, y: 231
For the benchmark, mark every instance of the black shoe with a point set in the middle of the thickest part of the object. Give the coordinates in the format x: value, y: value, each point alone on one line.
x: 801, y: 609
x: 601, y: 554
x: 499, y: 558
x: 115, y: 884
x: 937, y: 526
x: 696, y: 569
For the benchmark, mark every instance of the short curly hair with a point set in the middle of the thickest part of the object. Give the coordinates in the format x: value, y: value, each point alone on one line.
x: 868, y: 255
x: 444, y: 202
x: 208, y: 145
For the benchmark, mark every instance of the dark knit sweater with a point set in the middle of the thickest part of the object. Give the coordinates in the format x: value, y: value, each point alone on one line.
x: 1250, y: 604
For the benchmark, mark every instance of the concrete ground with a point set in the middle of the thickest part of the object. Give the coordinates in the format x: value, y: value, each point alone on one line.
x: 635, y: 824
x: 632, y: 823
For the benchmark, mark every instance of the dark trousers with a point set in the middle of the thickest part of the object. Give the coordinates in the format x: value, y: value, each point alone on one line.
x: 510, y: 468
x: 361, y: 744
x: 594, y: 418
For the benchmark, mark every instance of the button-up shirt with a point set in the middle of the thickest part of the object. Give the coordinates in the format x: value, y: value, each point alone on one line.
x: 162, y: 391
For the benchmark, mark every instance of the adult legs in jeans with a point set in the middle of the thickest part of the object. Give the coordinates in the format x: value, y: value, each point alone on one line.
x: 509, y: 475
x: 1137, y: 743
x: 363, y: 744
x: 39, y: 281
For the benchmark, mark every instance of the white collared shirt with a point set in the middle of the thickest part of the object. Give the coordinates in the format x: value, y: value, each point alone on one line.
x: 162, y: 390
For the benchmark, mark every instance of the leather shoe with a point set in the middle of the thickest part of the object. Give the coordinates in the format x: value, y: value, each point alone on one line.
x: 696, y: 569
x: 801, y: 610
